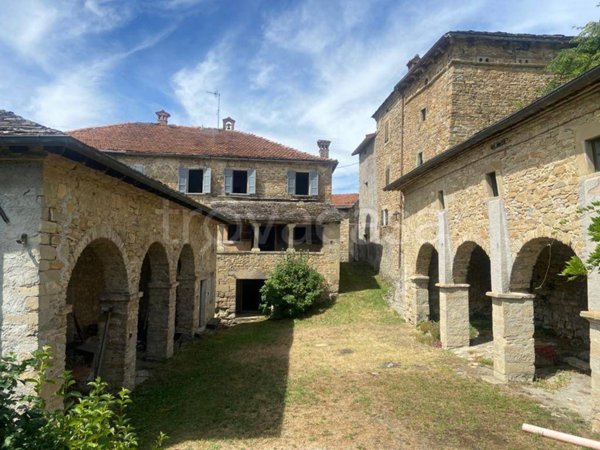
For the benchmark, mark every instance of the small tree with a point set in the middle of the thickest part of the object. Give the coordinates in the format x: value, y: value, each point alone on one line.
x: 575, y: 267
x: 572, y: 62
x: 292, y: 288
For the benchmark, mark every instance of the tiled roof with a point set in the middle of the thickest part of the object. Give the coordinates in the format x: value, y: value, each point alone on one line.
x: 152, y: 138
x: 11, y: 124
x: 277, y: 211
x: 344, y: 200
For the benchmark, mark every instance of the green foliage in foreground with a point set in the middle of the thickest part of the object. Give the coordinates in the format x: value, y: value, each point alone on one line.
x: 94, y: 421
x: 292, y: 288
x: 572, y: 62
x: 575, y: 267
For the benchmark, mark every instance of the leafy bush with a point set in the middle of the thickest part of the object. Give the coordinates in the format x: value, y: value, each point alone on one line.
x: 94, y: 421
x: 292, y: 288
x: 431, y: 333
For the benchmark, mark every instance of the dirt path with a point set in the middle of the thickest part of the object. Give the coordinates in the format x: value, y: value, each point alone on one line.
x: 350, y: 377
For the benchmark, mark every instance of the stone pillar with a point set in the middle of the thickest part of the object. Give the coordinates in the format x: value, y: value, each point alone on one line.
x: 117, y: 366
x: 514, y: 350
x: 255, y: 241
x: 454, y: 315
x: 444, y: 251
x: 418, y: 309
x: 500, y: 255
x: 594, y: 319
x: 186, y: 309
x: 221, y: 237
x: 290, y: 236
x: 161, y: 320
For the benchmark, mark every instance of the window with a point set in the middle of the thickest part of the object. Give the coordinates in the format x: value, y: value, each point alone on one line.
x: 384, y: 217
x: 492, y: 183
x: 419, y: 158
x: 387, y: 175
x: 386, y: 132
x: 595, y: 147
x: 240, y: 181
x: 423, y: 114
x: 194, y: 181
x: 441, y: 200
x: 309, y: 235
x: 303, y: 183
x: 228, y: 126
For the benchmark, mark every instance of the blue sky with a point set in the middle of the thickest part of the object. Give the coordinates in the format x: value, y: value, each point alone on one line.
x: 292, y: 71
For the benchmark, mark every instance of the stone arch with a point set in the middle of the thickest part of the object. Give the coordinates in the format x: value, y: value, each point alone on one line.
x: 426, y: 280
x: 186, y: 306
x: 559, y: 330
x: 97, y: 298
x: 471, y: 266
x: 156, y: 317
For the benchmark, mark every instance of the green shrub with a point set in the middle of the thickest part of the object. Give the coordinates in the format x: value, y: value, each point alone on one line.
x: 94, y: 421
x: 431, y: 332
x: 292, y: 288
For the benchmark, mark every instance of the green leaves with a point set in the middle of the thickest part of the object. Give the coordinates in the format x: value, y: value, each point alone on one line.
x: 292, y: 288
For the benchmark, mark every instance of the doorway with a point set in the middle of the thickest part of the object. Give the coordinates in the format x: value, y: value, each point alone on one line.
x: 248, y: 296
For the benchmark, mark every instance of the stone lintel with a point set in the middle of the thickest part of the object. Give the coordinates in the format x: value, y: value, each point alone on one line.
x: 592, y: 316
x: 450, y: 287
x: 511, y: 295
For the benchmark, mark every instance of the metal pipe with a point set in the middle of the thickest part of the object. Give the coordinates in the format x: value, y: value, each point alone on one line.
x: 563, y: 437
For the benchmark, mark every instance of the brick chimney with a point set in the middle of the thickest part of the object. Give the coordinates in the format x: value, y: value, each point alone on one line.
x: 323, y: 148
x: 162, y: 117
x: 228, y: 124
x: 413, y: 62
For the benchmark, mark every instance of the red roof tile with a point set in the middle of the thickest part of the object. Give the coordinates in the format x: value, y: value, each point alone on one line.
x: 344, y: 200
x: 149, y: 138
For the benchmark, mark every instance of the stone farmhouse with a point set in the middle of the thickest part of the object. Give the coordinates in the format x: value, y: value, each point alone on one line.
x: 275, y: 198
x: 474, y: 176
x: 105, y: 265
x: 347, y: 205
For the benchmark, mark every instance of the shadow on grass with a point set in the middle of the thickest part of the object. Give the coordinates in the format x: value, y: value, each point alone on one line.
x: 357, y: 277
x: 231, y: 385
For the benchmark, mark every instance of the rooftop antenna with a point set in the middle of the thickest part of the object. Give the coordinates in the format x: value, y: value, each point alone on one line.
x: 217, y: 94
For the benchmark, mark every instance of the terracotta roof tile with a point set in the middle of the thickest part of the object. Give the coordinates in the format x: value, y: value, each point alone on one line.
x: 153, y: 138
x: 344, y: 200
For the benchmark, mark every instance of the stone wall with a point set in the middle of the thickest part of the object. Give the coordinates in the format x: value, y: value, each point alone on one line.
x: 271, y: 176
x: 73, y: 209
x: 258, y: 265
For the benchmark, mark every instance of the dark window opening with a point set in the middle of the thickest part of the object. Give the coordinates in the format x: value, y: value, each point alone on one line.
x: 302, y: 183
x: 386, y: 132
x: 240, y: 181
x: 423, y: 114
x: 387, y: 176
x: 419, y: 158
x: 234, y: 232
x: 441, y: 200
x: 595, y: 144
x: 272, y: 238
x: 308, y: 237
x: 195, y: 181
x: 492, y: 184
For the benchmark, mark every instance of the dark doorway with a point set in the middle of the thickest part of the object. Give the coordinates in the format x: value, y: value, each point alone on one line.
x: 248, y: 295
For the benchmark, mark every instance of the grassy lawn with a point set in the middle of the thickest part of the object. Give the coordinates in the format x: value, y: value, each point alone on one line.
x: 350, y: 376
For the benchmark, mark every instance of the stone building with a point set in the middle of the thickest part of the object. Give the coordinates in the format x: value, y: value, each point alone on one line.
x: 346, y: 204
x: 102, y: 263
x: 275, y: 197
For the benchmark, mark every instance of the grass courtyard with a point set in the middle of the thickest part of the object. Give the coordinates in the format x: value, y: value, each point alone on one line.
x: 350, y: 376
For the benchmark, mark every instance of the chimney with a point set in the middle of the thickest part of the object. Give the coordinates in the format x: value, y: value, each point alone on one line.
x: 323, y: 148
x: 163, y: 117
x: 413, y: 62
x: 228, y: 124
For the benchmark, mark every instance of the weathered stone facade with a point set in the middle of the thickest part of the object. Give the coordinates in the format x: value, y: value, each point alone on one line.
x: 73, y: 253
x: 544, y: 171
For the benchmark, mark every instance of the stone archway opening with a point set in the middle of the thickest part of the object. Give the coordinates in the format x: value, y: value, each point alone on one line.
x: 427, y: 277
x: 561, y: 335
x: 186, y: 306
x: 156, y: 313
x: 472, y: 267
x: 95, y: 343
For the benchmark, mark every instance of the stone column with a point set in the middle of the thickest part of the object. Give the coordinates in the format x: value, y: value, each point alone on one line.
x: 594, y: 319
x: 161, y: 320
x: 117, y: 366
x: 418, y: 308
x: 514, y: 351
x: 500, y: 254
x: 255, y: 241
x: 186, y: 309
x: 290, y: 236
x: 454, y: 315
x: 221, y: 238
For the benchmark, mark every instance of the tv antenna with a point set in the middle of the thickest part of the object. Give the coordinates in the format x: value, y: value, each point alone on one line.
x: 217, y: 94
